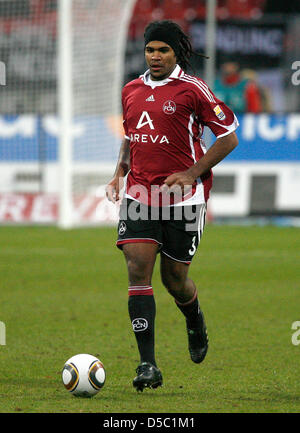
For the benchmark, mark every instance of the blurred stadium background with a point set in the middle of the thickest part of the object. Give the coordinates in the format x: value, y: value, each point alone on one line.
x: 259, y: 181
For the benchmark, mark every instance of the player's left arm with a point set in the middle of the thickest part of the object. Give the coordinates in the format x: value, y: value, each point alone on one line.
x: 216, y: 153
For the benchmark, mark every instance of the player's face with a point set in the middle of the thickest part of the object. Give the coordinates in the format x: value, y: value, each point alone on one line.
x: 160, y: 58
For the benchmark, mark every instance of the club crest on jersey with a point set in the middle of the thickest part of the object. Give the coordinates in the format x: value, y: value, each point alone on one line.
x: 169, y: 107
x: 219, y: 113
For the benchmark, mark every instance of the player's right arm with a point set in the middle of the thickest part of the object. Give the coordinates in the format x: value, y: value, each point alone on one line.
x: 123, y: 166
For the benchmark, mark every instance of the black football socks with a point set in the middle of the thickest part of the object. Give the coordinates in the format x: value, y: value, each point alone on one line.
x: 192, y: 312
x: 142, y: 310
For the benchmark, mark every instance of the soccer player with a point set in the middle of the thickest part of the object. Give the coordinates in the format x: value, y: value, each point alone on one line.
x: 168, y: 178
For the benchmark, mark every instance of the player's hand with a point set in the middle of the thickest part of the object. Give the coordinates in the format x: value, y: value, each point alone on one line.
x: 113, y: 189
x: 178, y: 183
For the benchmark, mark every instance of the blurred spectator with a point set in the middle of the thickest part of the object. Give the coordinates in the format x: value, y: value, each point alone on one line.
x: 252, y: 88
x: 239, y: 93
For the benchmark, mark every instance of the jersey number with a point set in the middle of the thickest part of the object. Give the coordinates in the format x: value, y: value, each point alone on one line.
x: 193, y: 249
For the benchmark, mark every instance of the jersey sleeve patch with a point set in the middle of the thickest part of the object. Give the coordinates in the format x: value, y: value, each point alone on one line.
x: 219, y: 113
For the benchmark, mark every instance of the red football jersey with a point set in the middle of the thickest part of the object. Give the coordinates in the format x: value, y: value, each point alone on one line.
x: 164, y: 121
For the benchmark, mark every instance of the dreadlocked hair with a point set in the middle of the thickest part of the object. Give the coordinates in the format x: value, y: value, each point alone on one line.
x: 185, y: 51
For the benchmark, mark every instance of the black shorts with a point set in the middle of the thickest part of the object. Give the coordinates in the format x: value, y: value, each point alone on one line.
x: 177, y: 230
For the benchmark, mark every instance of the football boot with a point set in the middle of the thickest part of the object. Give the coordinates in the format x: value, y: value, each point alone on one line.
x: 148, y: 376
x: 198, y: 342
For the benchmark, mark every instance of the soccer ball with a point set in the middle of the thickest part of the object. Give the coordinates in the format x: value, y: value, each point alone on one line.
x: 83, y: 375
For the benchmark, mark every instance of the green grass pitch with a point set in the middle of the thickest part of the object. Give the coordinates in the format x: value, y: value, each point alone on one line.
x: 65, y: 292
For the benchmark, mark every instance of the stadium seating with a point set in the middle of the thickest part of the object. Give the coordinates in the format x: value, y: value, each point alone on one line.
x: 184, y: 11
